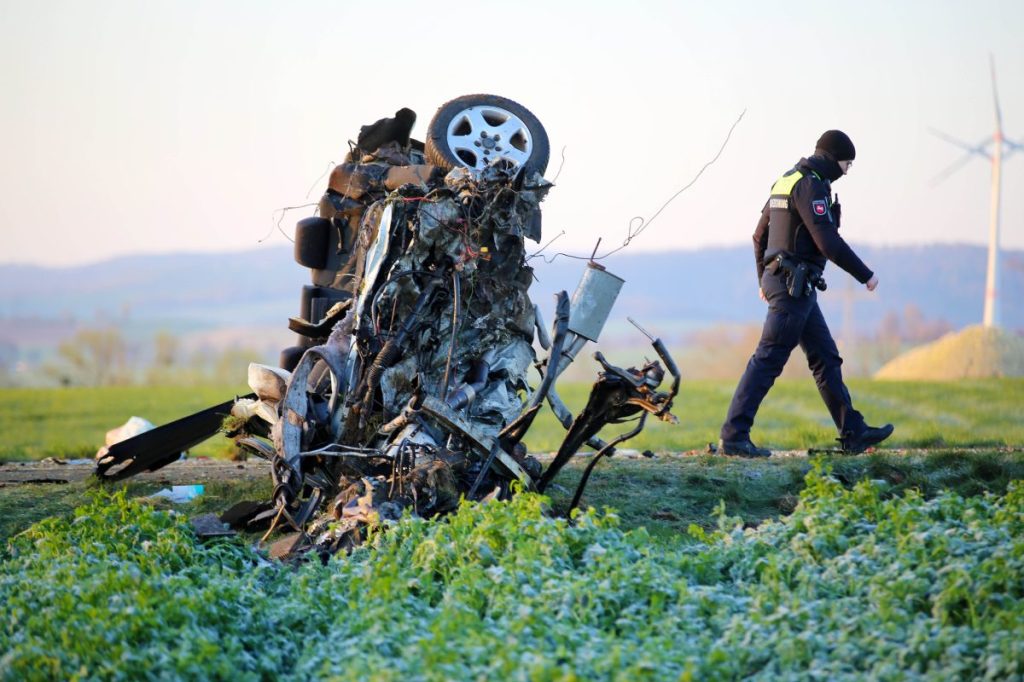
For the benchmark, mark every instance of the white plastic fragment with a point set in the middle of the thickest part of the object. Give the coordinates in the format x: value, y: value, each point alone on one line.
x: 131, y: 428
x: 268, y: 383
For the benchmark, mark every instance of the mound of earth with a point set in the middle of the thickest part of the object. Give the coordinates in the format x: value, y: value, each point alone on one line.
x: 972, y: 353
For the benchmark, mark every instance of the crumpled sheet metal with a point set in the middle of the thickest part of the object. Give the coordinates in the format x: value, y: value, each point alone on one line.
x: 441, y: 266
x: 420, y: 394
x: 487, y: 253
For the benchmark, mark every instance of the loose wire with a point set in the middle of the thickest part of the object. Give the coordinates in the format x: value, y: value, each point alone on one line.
x: 637, y: 224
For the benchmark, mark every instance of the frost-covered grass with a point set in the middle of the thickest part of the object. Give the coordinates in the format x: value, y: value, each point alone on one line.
x: 852, y: 584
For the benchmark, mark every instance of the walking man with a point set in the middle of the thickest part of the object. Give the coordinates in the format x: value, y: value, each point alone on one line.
x: 797, y: 234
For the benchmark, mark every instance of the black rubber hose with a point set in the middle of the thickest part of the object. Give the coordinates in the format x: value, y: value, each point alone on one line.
x: 464, y: 395
x: 392, y: 350
x: 610, y: 447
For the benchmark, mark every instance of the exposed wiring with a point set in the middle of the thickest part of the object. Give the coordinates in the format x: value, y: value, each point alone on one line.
x: 277, y: 224
x: 638, y: 224
x: 284, y: 209
x: 330, y: 165
x: 543, y: 248
x: 560, y: 167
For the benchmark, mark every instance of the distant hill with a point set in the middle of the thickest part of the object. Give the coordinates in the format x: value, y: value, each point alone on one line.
x: 719, y: 285
x: 669, y: 292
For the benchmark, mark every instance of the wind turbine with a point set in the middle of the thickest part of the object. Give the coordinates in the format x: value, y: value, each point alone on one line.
x: 1001, y: 148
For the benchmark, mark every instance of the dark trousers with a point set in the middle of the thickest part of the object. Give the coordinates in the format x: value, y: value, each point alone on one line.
x: 791, y: 321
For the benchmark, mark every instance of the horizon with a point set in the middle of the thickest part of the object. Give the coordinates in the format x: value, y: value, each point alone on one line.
x: 624, y: 253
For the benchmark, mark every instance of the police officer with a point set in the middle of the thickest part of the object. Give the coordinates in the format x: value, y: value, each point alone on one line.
x: 797, y: 234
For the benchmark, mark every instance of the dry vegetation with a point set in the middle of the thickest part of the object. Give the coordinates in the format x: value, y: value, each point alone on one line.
x: 973, y: 353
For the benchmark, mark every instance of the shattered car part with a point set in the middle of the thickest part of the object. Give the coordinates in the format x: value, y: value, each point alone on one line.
x: 159, y: 447
x: 617, y: 395
x: 593, y: 300
x: 408, y: 387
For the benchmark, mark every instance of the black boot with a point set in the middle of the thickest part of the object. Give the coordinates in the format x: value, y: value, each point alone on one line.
x: 871, y: 435
x: 742, y: 448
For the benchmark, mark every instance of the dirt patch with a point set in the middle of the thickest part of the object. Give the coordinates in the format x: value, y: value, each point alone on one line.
x: 972, y: 353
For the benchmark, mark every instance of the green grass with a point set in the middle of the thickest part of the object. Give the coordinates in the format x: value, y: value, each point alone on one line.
x: 667, y: 494
x: 73, y: 422
x: 664, y: 494
x: 895, y: 565
x: 926, y: 414
x: 23, y: 505
x: 37, y: 423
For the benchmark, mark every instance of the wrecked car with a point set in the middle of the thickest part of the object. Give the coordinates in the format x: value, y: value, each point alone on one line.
x: 409, y: 387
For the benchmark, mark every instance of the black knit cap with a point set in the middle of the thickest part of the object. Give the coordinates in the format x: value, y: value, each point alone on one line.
x: 836, y: 144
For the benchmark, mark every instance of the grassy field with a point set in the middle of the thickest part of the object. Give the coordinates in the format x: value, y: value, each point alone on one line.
x: 665, y: 494
x: 854, y: 584
x: 67, y: 423
x: 897, y: 564
x: 72, y: 422
x: 926, y: 414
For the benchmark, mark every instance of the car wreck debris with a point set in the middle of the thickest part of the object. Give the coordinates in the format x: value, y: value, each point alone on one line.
x: 408, y: 388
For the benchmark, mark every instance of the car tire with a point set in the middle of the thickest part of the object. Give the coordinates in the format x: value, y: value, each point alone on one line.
x: 476, y: 131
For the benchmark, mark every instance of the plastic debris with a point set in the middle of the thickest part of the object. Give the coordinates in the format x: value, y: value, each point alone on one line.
x: 209, y: 526
x: 131, y: 428
x: 179, y: 494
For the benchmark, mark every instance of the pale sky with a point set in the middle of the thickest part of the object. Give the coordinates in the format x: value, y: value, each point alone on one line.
x: 130, y: 127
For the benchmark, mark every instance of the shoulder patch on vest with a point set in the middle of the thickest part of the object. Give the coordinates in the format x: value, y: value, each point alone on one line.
x: 778, y: 202
x: 819, y: 206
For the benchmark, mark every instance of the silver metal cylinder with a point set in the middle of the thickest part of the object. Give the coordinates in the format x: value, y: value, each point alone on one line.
x: 593, y: 300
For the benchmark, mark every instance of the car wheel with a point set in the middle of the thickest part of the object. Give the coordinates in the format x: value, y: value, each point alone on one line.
x: 476, y: 131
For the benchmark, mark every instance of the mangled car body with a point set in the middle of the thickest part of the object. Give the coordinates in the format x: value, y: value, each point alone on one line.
x: 413, y: 382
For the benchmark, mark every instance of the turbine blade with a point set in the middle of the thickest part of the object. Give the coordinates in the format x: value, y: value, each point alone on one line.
x: 1009, y: 147
x: 966, y: 146
x: 952, y: 168
x: 995, y: 96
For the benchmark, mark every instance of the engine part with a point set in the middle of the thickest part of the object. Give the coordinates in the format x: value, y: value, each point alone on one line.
x: 593, y: 300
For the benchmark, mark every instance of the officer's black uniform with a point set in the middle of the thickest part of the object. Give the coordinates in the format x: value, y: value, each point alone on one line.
x: 801, y: 222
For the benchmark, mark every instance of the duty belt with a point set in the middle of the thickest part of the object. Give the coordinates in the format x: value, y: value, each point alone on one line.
x: 801, y: 276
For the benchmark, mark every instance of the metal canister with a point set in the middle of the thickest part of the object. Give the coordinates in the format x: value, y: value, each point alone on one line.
x: 593, y: 300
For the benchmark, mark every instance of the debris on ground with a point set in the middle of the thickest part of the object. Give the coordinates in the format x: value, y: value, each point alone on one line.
x: 131, y: 428
x: 179, y: 494
x: 209, y: 526
x: 409, y: 387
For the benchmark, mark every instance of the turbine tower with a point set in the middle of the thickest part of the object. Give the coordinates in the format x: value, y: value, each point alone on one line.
x: 999, y: 145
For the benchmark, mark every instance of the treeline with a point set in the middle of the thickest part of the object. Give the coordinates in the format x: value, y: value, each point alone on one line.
x: 104, y: 356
